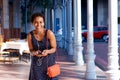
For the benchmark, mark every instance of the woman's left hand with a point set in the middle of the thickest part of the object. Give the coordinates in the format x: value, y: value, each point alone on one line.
x: 45, y: 52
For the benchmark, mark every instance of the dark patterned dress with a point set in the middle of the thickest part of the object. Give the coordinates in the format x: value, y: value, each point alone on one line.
x: 38, y: 69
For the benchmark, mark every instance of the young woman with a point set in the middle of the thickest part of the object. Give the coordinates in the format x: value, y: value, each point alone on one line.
x: 42, y: 46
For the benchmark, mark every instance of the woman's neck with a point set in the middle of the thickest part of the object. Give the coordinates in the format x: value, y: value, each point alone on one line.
x: 39, y: 31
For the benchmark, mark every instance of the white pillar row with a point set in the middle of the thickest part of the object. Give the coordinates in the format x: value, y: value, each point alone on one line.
x: 78, y: 56
x: 70, y: 47
x: 90, y: 56
x: 5, y: 14
x: 113, y: 59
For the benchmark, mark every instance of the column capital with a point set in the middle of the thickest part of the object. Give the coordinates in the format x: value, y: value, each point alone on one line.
x: 65, y: 2
x: 70, y: 1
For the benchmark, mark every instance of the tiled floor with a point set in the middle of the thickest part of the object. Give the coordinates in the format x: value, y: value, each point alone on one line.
x: 69, y: 71
x: 16, y: 71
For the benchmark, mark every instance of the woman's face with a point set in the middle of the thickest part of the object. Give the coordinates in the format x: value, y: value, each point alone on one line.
x: 38, y: 23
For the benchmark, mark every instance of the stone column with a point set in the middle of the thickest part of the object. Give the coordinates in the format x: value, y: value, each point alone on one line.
x: 78, y: 56
x: 48, y: 18
x: 63, y: 22
x: 90, y: 56
x: 16, y: 19
x: 55, y: 16
x: 46, y: 10
x: 6, y: 19
x: 53, y: 20
x: 65, y: 28
x: 70, y: 47
x: 75, y: 29
x: 113, y: 59
x: 1, y: 38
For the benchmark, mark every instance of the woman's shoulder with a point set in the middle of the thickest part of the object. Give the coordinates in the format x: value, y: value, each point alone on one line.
x: 31, y: 32
x: 49, y: 32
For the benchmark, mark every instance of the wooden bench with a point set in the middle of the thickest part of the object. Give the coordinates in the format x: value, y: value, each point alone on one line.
x: 11, y: 55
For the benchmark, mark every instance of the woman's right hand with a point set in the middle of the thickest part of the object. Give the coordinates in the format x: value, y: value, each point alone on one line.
x: 34, y: 53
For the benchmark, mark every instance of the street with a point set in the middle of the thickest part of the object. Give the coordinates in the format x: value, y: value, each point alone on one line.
x: 101, y: 51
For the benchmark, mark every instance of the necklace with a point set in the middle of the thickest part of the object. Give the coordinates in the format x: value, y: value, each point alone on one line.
x: 39, y: 35
x: 39, y: 61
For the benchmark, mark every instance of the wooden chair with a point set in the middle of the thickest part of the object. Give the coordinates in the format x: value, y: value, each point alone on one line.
x: 25, y: 56
x: 14, y: 54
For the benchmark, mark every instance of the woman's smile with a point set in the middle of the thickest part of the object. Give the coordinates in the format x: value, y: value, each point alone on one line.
x: 38, y: 23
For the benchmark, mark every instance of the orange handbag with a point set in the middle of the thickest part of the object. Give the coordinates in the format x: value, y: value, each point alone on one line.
x: 53, y: 70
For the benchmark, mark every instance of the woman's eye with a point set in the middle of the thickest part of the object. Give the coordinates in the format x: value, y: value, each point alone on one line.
x: 41, y: 22
x: 35, y: 23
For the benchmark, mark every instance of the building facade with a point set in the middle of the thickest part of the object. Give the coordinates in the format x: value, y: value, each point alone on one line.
x: 10, y: 16
x: 67, y: 16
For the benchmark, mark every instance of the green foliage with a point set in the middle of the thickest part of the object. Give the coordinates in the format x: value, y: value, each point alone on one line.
x: 32, y: 4
x: 40, y: 3
x: 44, y: 3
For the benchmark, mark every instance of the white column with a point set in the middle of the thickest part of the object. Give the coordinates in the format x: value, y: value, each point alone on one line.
x: 48, y: 19
x: 75, y: 28
x: 65, y: 29
x: 54, y: 1
x: 1, y: 38
x: 5, y: 14
x: 70, y: 47
x: 46, y: 10
x: 16, y: 14
x: 78, y: 56
x: 90, y: 57
x: 113, y: 66
x: 63, y: 22
x: 53, y: 20
x: 66, y: 24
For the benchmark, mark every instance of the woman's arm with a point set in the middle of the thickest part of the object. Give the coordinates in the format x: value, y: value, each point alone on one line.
x: 52, y: 39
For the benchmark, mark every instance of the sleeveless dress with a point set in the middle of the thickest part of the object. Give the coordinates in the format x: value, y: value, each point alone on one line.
x: 38, y: 69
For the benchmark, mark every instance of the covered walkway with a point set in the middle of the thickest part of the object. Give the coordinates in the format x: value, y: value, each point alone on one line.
x: 69, y: 71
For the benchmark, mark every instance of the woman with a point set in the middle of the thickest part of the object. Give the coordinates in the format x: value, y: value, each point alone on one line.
x: 42, y: 46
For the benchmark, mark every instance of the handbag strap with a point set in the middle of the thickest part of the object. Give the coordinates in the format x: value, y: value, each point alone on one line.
x: 56, y: 58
